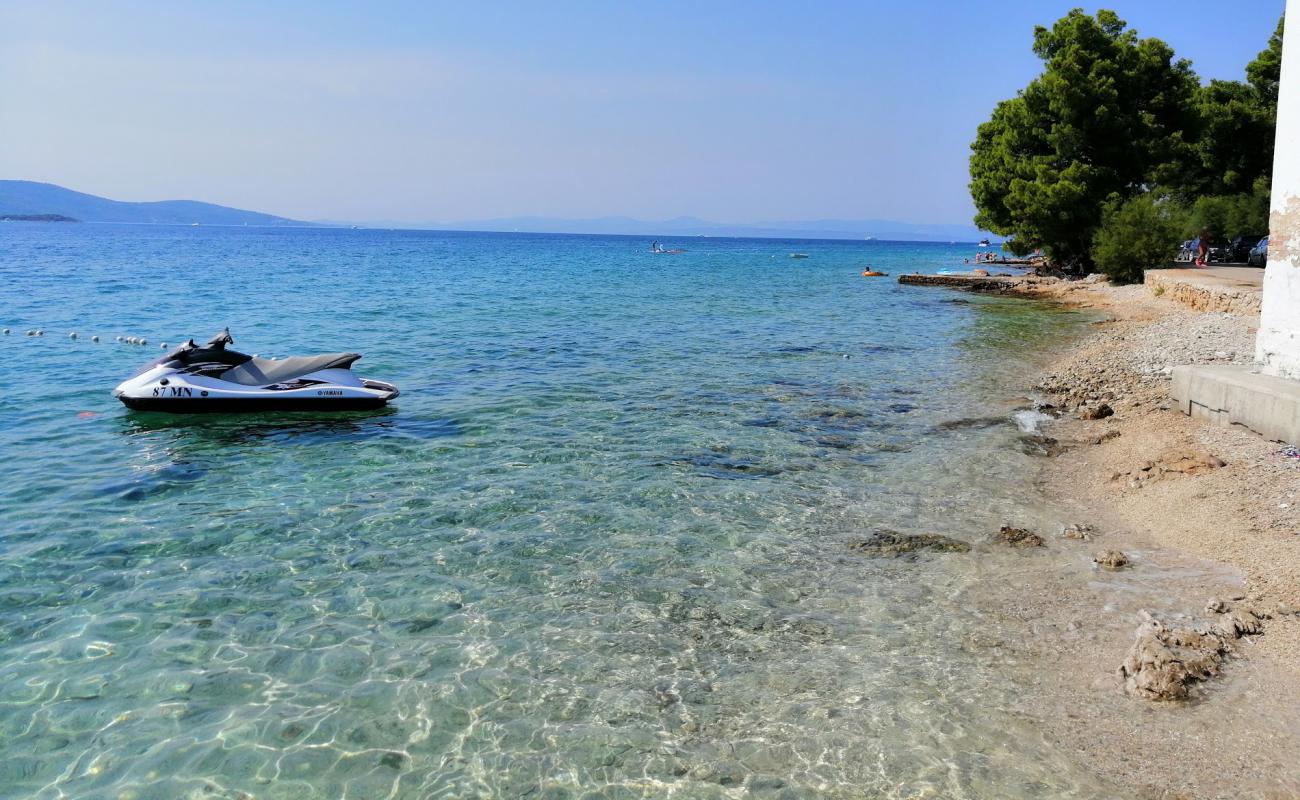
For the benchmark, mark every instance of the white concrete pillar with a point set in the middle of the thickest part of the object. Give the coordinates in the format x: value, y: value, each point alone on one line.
x: 1277, y: 346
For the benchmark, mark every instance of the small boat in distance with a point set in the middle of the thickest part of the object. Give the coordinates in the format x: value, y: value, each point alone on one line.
x: 798, y: 255
x: 210, y: 378
x: 984, y: 242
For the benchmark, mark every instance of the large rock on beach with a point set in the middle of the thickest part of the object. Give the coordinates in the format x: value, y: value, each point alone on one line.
x: 1164, y: 662
x: 891, y: 544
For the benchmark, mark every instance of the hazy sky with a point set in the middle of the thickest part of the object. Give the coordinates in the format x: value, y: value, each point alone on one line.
x: 731, y: 111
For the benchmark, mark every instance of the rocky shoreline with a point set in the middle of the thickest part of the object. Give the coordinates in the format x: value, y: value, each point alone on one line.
x: 1180, y: 675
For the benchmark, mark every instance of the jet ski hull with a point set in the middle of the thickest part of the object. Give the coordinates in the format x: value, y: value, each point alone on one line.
x: 165, y: 389
x: 253, y: 405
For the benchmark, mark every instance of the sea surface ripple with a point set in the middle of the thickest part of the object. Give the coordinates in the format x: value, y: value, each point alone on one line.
x: 598, y: 548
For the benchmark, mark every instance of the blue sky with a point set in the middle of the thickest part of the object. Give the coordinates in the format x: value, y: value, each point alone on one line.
x: 731, y: 111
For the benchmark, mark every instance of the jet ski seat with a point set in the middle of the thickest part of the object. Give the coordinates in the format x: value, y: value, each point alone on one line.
x: 263, y: 371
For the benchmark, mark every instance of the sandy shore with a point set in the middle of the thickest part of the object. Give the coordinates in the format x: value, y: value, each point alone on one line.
x: 1203, y: 514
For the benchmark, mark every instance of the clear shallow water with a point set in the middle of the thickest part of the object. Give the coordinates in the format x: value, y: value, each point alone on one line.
x: 597, y: 548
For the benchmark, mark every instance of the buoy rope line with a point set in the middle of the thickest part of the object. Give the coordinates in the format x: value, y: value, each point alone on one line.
x: 137, y: 340
x: 74, y: 336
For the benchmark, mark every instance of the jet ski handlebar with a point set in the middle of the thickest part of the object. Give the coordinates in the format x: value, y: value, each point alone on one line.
x: 220, y: 341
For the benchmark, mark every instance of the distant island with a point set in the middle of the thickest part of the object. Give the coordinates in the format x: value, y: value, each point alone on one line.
x: 852, y: 229
x: 45, y: 202
x: 36, y: 218
x: 30, y: 201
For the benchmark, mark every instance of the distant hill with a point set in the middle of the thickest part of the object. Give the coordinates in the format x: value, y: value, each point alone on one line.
x: 29, y: 198
x: 36, y: 218
x: 691, y: 226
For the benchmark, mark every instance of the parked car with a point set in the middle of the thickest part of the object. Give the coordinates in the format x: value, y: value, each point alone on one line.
x: 1239, y: 248
x: 1186, y: 252
x: 1258, y: 254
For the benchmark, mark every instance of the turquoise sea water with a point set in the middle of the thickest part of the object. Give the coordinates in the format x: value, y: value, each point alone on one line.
x: 597, y: 548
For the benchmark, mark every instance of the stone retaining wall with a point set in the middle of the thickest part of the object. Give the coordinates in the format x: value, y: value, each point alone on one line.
x: 1205, y: 298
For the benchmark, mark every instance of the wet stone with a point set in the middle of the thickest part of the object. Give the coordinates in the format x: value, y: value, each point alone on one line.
x: 891, y: 544
x: 1036, y: 444
x: 1111, y: 559
x: 1018, y: 537
x: 1081, y: 532
x: 1096, y: 412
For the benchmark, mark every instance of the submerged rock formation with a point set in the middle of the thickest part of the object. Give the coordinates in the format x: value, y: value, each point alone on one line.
x: 891, y: 544
x: 1019, y: 537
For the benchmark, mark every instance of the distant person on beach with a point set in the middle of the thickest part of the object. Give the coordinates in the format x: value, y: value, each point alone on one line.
x: 654, y: 247
x: 1203, y: 248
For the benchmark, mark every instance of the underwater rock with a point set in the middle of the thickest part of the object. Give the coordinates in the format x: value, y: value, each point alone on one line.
x: 393, y: 760
x: 1111, y: 559
x: 972, y: 423
x: 722, y: 466
x: 1018, y: 537
x: 1036, y: 444
x: 891, y: 544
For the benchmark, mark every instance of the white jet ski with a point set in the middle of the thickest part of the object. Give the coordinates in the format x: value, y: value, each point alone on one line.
x: 210, y: 378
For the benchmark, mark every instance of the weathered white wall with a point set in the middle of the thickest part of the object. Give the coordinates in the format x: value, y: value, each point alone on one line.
x: 1277, y: 347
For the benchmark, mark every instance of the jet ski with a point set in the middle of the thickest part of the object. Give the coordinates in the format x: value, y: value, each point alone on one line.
x: 212, y: 378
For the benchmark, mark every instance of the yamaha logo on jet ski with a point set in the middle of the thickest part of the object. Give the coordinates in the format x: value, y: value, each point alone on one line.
x: 210, y: 377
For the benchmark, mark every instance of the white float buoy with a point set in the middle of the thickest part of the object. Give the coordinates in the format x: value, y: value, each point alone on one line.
x: 94, y: 338
x: 31, y: 333
x: 6, y: 331
x: 143, y: 340
x: 72, y: 335
x: 117, y: 338
x: 40, y: 332
x: 162, y: 346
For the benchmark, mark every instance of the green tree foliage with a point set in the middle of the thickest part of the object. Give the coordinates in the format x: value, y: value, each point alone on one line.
x: 1234, y: 142
x: 1113, y: 117
x: 1232, y: 153
x: 1265, y: 72
x: 1227, y: 215
x: 1106, y: 118
x: 1135, y: 234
